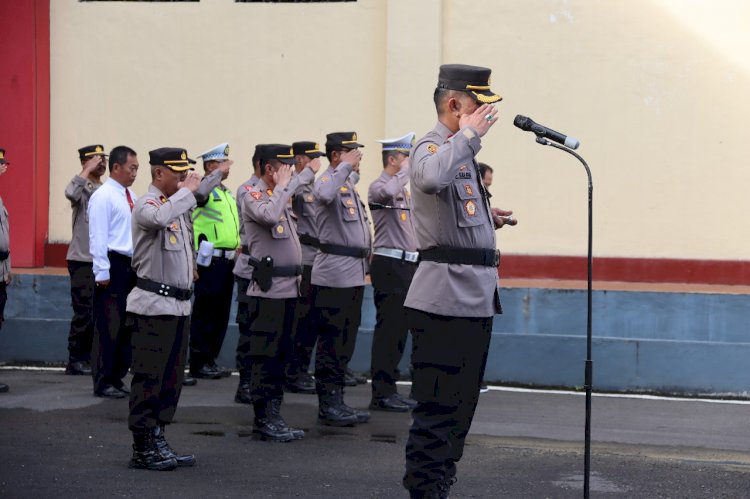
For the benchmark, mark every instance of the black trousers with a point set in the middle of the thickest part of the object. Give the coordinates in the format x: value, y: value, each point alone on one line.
x: 243, y: 318
x: 111, y: 346
x: 213, y: 301
x: 269, y: 341
x: 305, y: 333
x: 449, y: 355
x: 159, y: 350
x: 81, y: 333
x: 390, y: 281
x: 3, y: 301
x: 337, y: 315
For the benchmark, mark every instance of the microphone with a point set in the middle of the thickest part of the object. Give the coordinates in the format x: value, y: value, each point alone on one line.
x: 527, y: 124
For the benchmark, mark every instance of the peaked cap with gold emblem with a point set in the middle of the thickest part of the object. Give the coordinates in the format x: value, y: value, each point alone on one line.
x: 85, y: 153
x: 310, y: 149
x: 342, y: 140
x: 174, y: 158
x: 472, y: 79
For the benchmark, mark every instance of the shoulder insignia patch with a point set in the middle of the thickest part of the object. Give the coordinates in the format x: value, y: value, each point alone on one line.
x: 256, y: 195
x: 248, y: 187
x: 432, y: 148
x: 152, y: 202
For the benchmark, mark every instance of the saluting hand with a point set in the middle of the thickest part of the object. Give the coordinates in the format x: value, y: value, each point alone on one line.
x: 224, y: 166
x: 314, y: 165
x: 478, y: 119
x: 91, y: 164
x: 282, y: 176
x: 191, y: 182
x: 353, y: 157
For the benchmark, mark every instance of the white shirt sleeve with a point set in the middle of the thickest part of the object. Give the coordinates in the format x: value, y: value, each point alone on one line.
x: 99, y: 207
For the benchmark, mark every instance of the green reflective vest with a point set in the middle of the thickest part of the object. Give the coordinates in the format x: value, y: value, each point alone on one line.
x: 217, y: 220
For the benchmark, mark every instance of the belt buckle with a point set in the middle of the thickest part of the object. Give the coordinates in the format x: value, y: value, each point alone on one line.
x: 496, y: 259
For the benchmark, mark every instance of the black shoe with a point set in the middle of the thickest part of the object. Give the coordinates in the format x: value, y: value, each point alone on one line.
x: 406, y: 400
x: 360, y: 379
x: 276, y: 417
x: 362, y: 416
x: 189, y: 381
x: 303, y: 383
x: 272, y: 431
x: 205, y: 372
x: 3, y: 388
x: 391, y: 403
x: 123, y: 388
x: 146, y: 455
x: 78, y: 368
x: 242, y: 395
x: 183, y: 460
x: 109, y: 392
x: 223, y: 371
x: 349, y: 379
x: 332, y: 411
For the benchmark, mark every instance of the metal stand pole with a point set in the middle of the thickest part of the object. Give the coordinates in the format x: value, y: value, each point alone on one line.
x: 588, y: 371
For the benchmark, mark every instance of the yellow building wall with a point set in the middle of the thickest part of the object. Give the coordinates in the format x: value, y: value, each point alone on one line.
x: 656, y: 90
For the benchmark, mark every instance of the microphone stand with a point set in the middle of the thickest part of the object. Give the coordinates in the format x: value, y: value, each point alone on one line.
x: 588, y: 371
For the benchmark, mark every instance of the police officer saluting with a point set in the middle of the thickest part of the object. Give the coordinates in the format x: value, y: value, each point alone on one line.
x: 276, y: 258
x: 303, y: 205
x: 338, y: 276
x: 216, y: 229
x: 453, y: 295
x: 394, y: 261
x: 243, y: 272
x: 159, y: 306
x: 81, y: 270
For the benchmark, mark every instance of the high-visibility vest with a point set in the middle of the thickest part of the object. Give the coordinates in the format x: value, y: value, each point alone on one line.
x: 217, y: 220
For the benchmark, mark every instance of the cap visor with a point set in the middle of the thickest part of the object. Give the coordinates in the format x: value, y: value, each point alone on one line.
x: 180, y: 168
x: 286, y: 161
x: 486, y: 97
x: 355, y: 145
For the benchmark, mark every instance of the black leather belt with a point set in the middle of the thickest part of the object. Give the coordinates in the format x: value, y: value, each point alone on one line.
x: 164, y: 289
x: 336, y: 249
x: 4, y: 255
x: 461, y: 256
x: 309, y: 240
x: 245, y: 250
x: 280, y: 271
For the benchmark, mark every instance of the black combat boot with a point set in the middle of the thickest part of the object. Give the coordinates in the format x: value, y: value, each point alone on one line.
x: 146, y: 455
x: 242, y: 396
x: 331, y: 410
x: 362, y: 416
x: 267, y: 427
x: 183, y: 460
x: 276, y: 416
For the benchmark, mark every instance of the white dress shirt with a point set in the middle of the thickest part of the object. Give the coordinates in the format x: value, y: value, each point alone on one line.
x: 109, y: 225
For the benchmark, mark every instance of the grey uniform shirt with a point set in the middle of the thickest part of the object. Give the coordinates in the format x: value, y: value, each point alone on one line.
x: 4, y: 241
x: 78, y: 191
x: 342, y: 219
x: 393, y: 227
x: 162, y: 250
x: 303, y: 206
x: 241, y: 267
x: 449, y: 210
x: 270, y: 230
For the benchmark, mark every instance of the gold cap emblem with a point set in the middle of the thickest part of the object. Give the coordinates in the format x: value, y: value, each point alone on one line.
x: 183, y: 155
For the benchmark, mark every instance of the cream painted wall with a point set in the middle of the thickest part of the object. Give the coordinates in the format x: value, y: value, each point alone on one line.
x: 193, y: 75
x: 655, y: 90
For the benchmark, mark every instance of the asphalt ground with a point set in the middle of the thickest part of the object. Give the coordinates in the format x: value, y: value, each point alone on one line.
x: 58, y: 440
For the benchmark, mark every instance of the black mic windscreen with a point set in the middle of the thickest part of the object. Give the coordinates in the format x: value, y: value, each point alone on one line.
x: 523, y: 122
